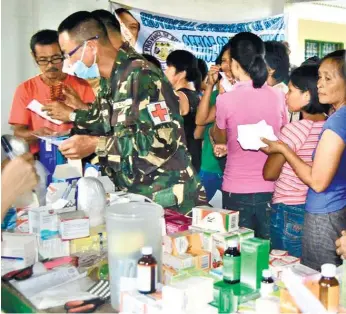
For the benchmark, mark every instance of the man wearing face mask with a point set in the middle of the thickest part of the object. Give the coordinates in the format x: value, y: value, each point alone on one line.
x: 43, y: 88
x: 135, y: 117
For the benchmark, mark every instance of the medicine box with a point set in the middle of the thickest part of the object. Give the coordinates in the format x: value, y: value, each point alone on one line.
x: 53, y: 248
x: 182, y: 242
x: 44, y: 220
x: 74, y: 225
x: 206, y: 237
x: 176, y: 224
x: 254, y: 259
x: 178, y: 262
x: 217, y: 219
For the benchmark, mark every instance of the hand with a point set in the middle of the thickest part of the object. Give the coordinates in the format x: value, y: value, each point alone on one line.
x: 273, y: 147
x: 72, y: 99
x: 44, y: 132
x: 79, y: 146
x: 18, y: 177
x: 341, y: 245
x: 213, y: 75
x: 220, y: 150
x: 58, y: 111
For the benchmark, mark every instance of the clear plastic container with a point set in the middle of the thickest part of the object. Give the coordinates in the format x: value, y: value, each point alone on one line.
x: 131, y: 226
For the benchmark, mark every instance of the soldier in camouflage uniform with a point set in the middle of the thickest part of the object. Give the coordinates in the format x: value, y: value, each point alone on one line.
x: 137, y: 115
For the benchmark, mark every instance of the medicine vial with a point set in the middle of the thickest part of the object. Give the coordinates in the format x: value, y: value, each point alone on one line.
x: 147, y: 272
x: 329, y: 288
x: 267, y: 283
x: 231, y: 264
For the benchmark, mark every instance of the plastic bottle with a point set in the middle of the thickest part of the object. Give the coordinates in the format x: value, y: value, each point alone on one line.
x: 147, y: 272
x: 329, y: 288
x: 231, y: 264
x: 267, y: 283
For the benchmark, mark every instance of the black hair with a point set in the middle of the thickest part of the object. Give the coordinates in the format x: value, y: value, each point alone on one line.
x: 152, y: 60
x: 248, y: 50
x: 122, y: 10
x: 83, y: 25
x: 312, y: 60
x: 305, y: 79
x: 224, y: 48
x: 44, y: 37
x: 338, y: 56
x: 184, y: 60
x: 108, y: 19
x: 277, y: 59
x: 203, y: 68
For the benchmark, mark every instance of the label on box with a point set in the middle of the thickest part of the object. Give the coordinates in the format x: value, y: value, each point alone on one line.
x: 74, y: 228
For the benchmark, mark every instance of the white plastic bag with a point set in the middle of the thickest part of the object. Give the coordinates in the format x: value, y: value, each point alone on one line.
x: 92, y: 200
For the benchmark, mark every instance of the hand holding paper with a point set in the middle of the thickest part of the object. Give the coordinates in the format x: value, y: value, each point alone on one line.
x: 37, y: 107
x: 249, y: 135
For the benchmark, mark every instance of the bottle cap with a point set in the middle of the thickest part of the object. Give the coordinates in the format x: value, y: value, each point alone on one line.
x: 233, y: 243
x: 328, y: 270
x: 147, y: 250
x: 266, y: 273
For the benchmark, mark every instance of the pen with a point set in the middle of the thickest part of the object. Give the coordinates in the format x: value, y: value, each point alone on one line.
x: 7, y: 148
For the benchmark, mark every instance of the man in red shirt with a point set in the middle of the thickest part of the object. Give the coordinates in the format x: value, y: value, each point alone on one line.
x: 51, y: 85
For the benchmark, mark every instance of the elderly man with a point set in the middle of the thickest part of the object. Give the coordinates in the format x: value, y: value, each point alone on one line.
x: 137, y: 116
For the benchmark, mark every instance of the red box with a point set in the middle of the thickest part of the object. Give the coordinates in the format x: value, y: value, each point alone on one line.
x: 177, y: 223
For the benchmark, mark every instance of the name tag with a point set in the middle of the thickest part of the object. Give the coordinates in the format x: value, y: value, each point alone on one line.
x: 122, y: 104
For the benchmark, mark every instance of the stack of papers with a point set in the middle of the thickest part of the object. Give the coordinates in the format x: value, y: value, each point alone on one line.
x: 249, y: 135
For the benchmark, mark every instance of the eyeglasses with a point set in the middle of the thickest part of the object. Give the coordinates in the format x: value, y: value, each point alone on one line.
x: 52, y: 61
x: 72, y: 52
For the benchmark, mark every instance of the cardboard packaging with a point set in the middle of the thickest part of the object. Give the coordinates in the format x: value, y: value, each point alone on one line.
x: 177, y: 224
x: 178, y: 262
x: 254, y: 259
x: 137, y: 303
x: 217, y: 219
x: 44, y: 220
x: 182, y: 242
x: 66, y: 173
x: 97, y: 241
x: 74, y: 225
x: 278, y: 265
x: 206, y: 237
x: 224, y: 299
x: 202, y: 259
x: 17, y: 251
x: 52, y: 248
x: 55, y: 191
x: 278, y: 254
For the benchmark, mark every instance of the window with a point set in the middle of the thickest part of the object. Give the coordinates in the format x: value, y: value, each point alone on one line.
x: 320, y: 48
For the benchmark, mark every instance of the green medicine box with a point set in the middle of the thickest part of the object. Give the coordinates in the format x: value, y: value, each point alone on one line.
x: 254, y: 258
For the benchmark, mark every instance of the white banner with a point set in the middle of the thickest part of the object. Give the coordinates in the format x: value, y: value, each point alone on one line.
x: 158, y: 35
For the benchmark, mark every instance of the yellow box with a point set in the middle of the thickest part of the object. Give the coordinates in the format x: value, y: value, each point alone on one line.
x: 182, y: 242
x: 97, y: 241
x: 202, y: 259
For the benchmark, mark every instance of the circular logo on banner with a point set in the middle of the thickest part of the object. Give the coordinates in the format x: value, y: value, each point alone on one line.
x: 160, y: 44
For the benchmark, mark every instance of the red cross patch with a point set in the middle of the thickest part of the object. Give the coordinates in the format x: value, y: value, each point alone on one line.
x: 158, y: 112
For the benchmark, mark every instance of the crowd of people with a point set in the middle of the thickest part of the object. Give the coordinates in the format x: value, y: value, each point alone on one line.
x: 172, y: 135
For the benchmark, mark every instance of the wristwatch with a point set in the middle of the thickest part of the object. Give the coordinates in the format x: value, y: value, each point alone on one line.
x: 72, y: 116
x: 101, y: 148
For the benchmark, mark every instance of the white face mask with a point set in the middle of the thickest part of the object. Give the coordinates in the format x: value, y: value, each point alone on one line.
x: 81, y: 70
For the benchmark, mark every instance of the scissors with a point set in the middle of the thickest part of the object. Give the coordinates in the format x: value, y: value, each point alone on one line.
x: 87, y: 306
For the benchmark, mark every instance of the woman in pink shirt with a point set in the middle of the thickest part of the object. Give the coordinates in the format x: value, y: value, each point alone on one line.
x: 251, y: 101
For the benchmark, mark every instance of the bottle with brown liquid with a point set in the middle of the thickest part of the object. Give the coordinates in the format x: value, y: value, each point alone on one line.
x: 329, y: 288
x: 147, y: 272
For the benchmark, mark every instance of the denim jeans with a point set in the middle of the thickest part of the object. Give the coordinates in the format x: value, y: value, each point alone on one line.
x: 254, y: 212
x: 286, y: 228
x: 211, y: 182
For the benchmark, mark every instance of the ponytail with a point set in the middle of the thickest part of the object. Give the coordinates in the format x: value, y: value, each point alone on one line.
x: 258, y: 71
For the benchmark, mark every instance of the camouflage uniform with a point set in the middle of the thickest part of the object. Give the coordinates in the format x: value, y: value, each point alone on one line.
x: 139, y: 112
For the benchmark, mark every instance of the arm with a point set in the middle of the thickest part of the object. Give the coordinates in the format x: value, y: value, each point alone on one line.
x: 184, y: 105
x: 273, y: 166
x: 219, y: 135
x: 203, y: 107
x: 199, y: 132
x: 219, y: 130
x: 23, y: 132
x: 327, y: 159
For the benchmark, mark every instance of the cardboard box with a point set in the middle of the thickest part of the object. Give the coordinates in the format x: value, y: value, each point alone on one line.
x: 182, y: 242
x: 206, y: 237
x: 167, y: 274
x: 97, y: 241
x: 53, y: 248
x: 44, y: 220
x: 137, y: 303
x: 176, y: 224
x: 278, y: 265
x: 202, y: 259
x: 217, y: 219
x: 178, y: 262
x: 55, y: 191
x: 66, y: 173
x: 278, y: 254
x: 74, y: 225
x: 254, y: 259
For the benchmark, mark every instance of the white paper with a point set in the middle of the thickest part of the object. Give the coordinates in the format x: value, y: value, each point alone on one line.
x: 36, y: 107
x: 54, y: 278
x: 249, y: 135
x: 216, y: 200
x: 226, y: 84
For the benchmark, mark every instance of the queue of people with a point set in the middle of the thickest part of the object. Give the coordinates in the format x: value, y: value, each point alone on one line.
x: 173, y: 136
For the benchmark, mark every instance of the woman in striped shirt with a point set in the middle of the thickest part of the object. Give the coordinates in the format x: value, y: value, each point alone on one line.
x: 288, y: 203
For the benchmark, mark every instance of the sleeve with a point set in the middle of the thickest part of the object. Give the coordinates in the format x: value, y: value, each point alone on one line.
x: 19, y: 114
x: 289, y: 136
x: 337, y: 123
x: 149, y: 133
x: 222, y: 111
